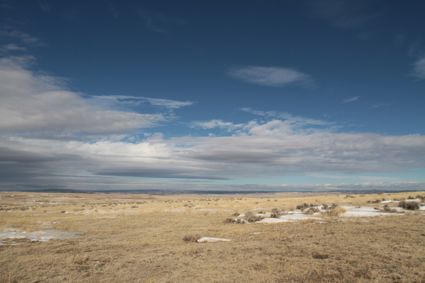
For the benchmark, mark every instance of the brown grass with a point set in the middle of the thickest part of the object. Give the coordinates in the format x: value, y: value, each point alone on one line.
x: 144, y: 244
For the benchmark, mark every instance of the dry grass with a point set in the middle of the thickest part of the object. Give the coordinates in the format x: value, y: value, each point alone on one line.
x: 125, y: 243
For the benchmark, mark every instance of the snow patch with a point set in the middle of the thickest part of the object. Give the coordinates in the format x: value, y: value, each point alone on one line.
x: 363, y: 211
x: 292, y: 216
x: 389, y: 201
x: 37, y: 236
x: 212, y: 240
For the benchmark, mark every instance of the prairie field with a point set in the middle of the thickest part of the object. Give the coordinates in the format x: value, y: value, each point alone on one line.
x: 152, y: 238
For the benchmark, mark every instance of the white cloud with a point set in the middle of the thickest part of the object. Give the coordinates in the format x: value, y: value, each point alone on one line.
x: 11, y: 47
x: 270, y: 76
x: 419, y: 68
x: 295, y: 120
x: 138, y: 100
x: 23, y: 37
x: 350, y: 99
x: 33, y: 102
x: 217, y: 124
x: 259, y: 150
x: 168, y: 103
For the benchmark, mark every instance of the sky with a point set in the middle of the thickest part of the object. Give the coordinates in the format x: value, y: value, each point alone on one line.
x: 212, y: 95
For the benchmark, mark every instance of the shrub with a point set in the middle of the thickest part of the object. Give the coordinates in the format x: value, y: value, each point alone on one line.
x: 275, y: 213
x: 387, y: 208
x: 275, y: 210
x: 334, y: 211
x: 234, y: 220
x: 320, y: 256
x: 251, y: 217
x: 191, y: 238
x: 302, y: 206
x: 312, y: 210
x: 421, y: 197
x: 409, y: 205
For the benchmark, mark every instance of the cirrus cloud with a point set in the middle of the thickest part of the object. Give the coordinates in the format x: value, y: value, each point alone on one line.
x: 419, y: 68
x: 270, y: 76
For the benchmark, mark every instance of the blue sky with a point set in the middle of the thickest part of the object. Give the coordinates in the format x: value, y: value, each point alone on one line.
x: 283, y: 95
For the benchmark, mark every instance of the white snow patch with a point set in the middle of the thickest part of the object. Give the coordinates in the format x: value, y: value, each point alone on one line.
x: 389, y: 201
x: 398, y: 209
x: 271, y: 220
x: 264, y: 214
x: 212, y: 240
x: 37, y: 236
x: 413, y: 200
x: 363, y: 211
x: 292, y: 216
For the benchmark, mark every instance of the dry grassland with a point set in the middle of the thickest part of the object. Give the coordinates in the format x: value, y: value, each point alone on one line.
x: 139, y: 238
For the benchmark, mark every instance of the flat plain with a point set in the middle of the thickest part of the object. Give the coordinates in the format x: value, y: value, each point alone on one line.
x: 72, y: 237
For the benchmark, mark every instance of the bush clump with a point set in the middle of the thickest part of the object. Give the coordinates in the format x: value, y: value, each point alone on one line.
x: 251, y: 217
x: 421, y: 197
x: 320, y: 256
x: 312, y: 210
x: 275, y: 213
x: 304, y: 206
x: 387, y: 208
x: 409, y: 205
x: 234, y: 220
x: 334, y: 211
x: 191, y: 238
